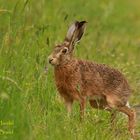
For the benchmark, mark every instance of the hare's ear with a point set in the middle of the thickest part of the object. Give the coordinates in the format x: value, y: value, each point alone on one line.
x: 71, y: 31
x: 80, y: 30
x: 75, y: 32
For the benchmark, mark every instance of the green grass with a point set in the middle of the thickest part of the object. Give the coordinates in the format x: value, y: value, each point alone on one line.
x: 28, y: 97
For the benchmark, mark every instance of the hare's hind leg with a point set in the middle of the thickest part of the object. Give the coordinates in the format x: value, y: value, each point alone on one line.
x: 102, y: 104
x: 131, y: 116
x: 114, y: 102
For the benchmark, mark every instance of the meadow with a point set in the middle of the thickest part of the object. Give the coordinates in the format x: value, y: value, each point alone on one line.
x: 30, y: 106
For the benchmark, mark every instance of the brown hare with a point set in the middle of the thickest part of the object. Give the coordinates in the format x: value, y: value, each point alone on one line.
x: 81, y: 80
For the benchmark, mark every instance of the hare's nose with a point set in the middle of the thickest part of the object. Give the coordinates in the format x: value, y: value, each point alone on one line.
x: 50, y: 60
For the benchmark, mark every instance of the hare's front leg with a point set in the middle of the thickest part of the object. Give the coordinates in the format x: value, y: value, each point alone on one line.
x: 68, y: 104
x: 82, y: 107
x: 68, y: 100
x: 82, y: 101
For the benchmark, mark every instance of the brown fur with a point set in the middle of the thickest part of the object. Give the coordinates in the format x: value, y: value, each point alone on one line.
x: 105, y: 87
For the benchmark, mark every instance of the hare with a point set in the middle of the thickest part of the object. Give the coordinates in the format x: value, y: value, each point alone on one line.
x: 81, y: 80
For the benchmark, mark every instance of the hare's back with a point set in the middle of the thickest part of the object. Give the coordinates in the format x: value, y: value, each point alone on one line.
x: 107, y: 79
x: 112, y: 78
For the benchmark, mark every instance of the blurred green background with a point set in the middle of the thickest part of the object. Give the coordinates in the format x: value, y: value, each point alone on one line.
x: 29, y: 29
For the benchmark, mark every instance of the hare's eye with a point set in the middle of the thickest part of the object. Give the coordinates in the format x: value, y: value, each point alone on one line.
x: 64, y: 50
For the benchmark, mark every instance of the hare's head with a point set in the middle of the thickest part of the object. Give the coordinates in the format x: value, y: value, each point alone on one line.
x: 62, y: 53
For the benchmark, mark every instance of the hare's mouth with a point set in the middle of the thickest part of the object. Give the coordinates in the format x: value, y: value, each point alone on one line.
x: 54, y: 63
